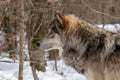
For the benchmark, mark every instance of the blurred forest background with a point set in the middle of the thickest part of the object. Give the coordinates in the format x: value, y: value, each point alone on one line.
x: 23, y: 23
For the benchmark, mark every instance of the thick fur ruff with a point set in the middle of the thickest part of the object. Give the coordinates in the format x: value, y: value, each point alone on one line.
x: 90, y: 50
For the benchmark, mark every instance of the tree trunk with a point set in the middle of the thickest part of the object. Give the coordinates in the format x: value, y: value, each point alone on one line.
x: 34, y: 72
x: 10, y: 32
x: 54, y: 55
x: 31, y: 63
x: 20, y: 77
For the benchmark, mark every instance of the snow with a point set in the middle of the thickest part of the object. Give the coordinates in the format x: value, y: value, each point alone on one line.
x: 9, y: 71
x: 110, y: 27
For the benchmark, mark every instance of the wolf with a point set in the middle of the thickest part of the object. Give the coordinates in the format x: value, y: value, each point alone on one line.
x: 90, y: 50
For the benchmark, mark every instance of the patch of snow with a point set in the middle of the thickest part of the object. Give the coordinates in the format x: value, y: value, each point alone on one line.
x: 9, y: 71
x: 6, y: 59
x: 110, y: 27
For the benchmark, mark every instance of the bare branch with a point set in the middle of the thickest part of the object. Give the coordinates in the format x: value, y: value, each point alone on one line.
x: 32, y: 4
x: 99, y: 11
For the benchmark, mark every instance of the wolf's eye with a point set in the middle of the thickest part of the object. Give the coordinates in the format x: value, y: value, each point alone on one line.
x: 50, y: 32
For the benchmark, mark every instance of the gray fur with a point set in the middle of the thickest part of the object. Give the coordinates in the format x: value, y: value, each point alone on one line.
x: 90, y: 50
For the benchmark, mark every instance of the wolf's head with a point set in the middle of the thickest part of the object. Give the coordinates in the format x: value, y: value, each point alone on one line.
x: 61, y: 25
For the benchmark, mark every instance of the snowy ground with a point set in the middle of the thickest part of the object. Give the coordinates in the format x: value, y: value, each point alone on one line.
x: 9, y: 71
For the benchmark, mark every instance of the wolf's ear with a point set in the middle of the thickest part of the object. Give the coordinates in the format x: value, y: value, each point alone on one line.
x: 57, y: 25
x: 59, y: 17
x: 59, y: 22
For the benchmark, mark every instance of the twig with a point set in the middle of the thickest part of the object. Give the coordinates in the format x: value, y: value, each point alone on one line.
x: 99, y: 11
x: 32, y: 4
x: 35, y: 22
x: 39, y: 26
